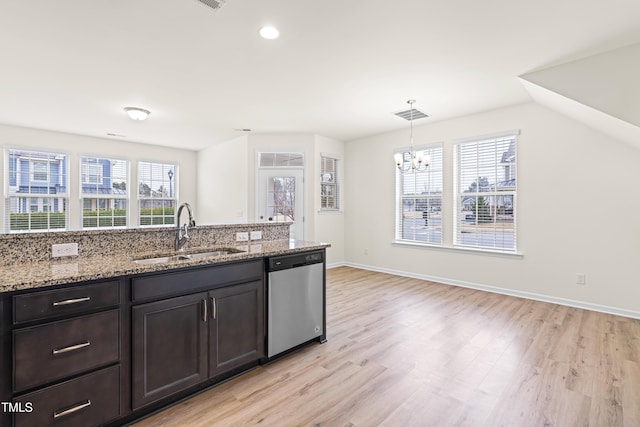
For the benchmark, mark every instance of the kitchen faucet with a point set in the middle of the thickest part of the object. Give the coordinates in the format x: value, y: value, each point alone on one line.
x: 183, y: 237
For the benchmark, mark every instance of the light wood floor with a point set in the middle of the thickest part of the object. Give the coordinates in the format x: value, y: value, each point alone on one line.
x: 405, y: 352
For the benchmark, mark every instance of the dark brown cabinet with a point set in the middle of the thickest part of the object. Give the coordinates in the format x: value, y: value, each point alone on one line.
x: 237, y: 330
x: 183, y: 341
x: 66, y: 355
x: 169, y: 347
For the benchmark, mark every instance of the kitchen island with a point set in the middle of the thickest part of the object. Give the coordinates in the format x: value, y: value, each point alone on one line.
x: 104, y: 340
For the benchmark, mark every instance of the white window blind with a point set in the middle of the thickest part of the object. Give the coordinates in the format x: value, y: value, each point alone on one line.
x: 157, y: 184
x: 329, y: 184
x: 37, y: 191
x: 104, y: 192
x: 280, y: 160
x: 419, y: 200
x: 486, y: 193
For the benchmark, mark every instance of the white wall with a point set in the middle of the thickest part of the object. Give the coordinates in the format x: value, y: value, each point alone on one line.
x: 578, y: 207
x: 76, y: 146
x: 233, y: 165
x: 223, y: 174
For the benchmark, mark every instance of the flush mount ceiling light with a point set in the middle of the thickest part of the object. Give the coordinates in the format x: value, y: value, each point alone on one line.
x: 136, y: 113
x: 269, y: 33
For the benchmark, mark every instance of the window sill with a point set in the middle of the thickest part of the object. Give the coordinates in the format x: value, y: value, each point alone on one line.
x: 459, y: 249
x: 330, y: 212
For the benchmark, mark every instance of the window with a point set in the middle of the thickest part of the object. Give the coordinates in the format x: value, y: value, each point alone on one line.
x: 157, y: 184
x: 40, y: 171
x: 486, y: 193
x: 103, y: 193
x: 37, y: 197
x: 329, y: 184
x: 419, y: 200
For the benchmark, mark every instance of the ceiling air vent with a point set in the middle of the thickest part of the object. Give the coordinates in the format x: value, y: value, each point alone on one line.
x: 213, y: 4
x: 406, y: 114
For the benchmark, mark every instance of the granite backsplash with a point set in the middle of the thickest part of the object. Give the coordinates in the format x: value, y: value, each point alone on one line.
x: 35, y: 247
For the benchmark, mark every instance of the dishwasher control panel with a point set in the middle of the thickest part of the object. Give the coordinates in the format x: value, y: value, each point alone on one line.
x: 294, y: 260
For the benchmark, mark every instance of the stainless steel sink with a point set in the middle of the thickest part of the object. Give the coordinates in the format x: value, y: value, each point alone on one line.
x: 186, y: 256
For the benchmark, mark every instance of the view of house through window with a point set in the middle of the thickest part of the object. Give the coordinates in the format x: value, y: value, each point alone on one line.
x: 37, y: 196
x: 486, y: 193
x: 104, y: 192
x: 419, y: 200
x: 157, y: 193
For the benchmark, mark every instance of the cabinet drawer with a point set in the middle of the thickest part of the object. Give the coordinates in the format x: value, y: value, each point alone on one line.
x: 47, y: 304
x: 59, y: 349
x: 90, y: 400
x: 183, y: 282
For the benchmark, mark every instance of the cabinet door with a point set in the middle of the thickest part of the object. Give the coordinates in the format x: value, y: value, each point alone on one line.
x: 169, y: 347
x: 237, y: 330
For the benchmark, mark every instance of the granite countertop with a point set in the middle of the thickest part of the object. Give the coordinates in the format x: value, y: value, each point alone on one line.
x: 78, y: 269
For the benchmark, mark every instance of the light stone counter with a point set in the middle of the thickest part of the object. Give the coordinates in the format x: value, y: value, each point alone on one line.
x: 30, y: 275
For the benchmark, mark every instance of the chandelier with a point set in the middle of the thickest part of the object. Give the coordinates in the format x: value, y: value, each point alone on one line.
x: 418, y: 162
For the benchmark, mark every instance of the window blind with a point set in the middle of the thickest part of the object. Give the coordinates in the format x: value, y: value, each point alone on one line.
x: 37, y: 191
x: 329, y: 184
x: 419, y: 200
x: 157, y: 193
x: 486, y: 193
x: 104, y: 192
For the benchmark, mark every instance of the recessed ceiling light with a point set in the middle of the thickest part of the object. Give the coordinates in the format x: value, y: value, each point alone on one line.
x: 136, y: 113
x: 269, y: 33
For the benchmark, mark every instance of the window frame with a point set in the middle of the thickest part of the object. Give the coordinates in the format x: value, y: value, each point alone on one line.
x: 492, y: 192
x: 170, y: 202
x: 434, y: 150
x: 334, y: 183
x: 110, y: 198
x: 50, y: 203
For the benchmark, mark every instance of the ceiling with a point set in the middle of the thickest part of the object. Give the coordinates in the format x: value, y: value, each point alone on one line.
x: 339, y: 68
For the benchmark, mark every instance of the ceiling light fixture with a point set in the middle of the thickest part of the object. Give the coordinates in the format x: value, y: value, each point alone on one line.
x: 136, y: 113
x: 417, y: 162
x: 269, y: 33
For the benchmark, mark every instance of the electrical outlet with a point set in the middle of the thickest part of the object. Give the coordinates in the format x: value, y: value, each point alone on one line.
x: 581, y: 279
x: 256, y: 235
x: 242, y: 237
x: 64, y: 249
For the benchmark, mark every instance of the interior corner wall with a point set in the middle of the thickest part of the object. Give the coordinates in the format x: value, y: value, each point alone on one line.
x: 223, y: 181
x: 329, y: 226
x: 577, y: 208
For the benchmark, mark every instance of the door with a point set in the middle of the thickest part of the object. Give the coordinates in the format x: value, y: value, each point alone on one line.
x: 280, y: 198
x: 237, y: 326
x: 296, y: 304
x: 169, y: 347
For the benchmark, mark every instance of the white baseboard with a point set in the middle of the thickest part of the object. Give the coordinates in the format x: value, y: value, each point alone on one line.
x: 527, y: 295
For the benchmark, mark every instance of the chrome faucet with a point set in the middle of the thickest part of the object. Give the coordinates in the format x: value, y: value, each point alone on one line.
x: 182, y: 232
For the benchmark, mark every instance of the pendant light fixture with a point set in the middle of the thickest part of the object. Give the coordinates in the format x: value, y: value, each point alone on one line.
x: 418, y: 162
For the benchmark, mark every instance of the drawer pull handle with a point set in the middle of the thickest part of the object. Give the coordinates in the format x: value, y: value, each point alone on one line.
x: 71, y: 348
x: 71, y: 301
x: 70, y: 411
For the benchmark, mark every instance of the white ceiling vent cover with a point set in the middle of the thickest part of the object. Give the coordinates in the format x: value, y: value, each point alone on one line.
x: 213, y: 4
x: 406, y: 114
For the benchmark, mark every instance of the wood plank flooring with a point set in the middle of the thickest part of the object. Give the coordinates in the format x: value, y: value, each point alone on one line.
x: 407, y: 352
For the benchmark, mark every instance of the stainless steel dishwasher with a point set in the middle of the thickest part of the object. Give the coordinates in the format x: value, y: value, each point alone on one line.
x: 295, y: 301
